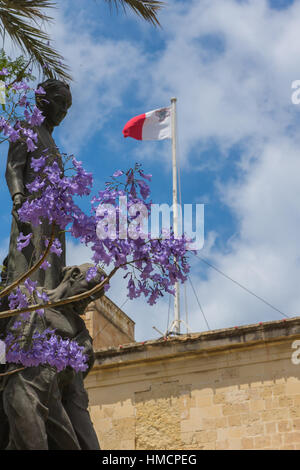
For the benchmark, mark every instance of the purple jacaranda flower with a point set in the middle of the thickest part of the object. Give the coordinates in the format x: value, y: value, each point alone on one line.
x: 4, y: 125
x: 146, y: 177
x: 46, y: 348
x: 38, y: 163
x: 106, y: 287
x: 133, y: 191
x: 30, y: 145
x: 40, y: 311
x: 144, y: 188
x: 158, y: 272
x: 40, y: 91
x: 56, y: 246
x: 30, y: 285
x: 130, y: 176
x: 23, y: 101
x: 29, y: 133
x: 45, y: 265
x: 54, y: 173
x: 4, y: 71
x: 82, y: 181
x: 35, y: 118
x: 42, y: 295
x: 158, y: 263
x: 91, y: 273
x: 118, y: 173
x: 36, y: 185
x: 14, y: 135
x: 23, y: 241
x: 25, y: 316
x: 131, y: 289
x: 22, y: 85
x: 16, y: 324
x: 17, y: 299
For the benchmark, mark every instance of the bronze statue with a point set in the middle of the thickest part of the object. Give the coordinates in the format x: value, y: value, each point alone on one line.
x: 46, y: 409
x: 19, y: 173
x: 41, y: 408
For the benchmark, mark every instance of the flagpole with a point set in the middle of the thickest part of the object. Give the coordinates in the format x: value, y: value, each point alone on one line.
x: 175, y: 212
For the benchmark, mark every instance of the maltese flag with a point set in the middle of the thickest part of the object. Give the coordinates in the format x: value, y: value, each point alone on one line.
x: 154, y: 125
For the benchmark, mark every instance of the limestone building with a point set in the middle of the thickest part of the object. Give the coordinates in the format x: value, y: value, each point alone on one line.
x: 235, y: 388
x: 108, y: 324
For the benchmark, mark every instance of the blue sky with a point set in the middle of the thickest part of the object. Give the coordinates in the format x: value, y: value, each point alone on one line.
x: 230, y: 63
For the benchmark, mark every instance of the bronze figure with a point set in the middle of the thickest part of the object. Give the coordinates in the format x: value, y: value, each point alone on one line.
x: 19, y: 173
x: 46, y: 409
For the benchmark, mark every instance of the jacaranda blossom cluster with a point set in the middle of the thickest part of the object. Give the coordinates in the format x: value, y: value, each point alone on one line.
x: 46, y: 348
x: 18, y: 103
x: 151, y: 266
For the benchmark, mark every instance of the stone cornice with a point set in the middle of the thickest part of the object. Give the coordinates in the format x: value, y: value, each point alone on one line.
x: 248, y: 336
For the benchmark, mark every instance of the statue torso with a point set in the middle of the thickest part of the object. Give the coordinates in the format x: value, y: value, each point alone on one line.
x: 66, y: 324
x: 45, y: 143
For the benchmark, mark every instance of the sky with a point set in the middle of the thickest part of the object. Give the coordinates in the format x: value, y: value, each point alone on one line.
x: 231, y: 64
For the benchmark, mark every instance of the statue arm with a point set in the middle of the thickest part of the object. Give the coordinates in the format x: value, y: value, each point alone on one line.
x: 16, y: 162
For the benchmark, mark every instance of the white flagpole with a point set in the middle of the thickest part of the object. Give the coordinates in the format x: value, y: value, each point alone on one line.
x: 175, y: 213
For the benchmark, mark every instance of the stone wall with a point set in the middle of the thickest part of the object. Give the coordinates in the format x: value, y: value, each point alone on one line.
x: 227, y: 389
x: 108, y: 324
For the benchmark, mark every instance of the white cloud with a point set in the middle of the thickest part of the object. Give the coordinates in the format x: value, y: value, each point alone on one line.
x: 241, y: 93
x: 102, y: 69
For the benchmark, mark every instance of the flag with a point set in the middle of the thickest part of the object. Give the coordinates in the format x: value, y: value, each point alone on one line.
x: 154, y: 125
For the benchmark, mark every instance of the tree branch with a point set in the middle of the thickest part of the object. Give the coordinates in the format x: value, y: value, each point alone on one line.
x: 68, y: 300
x: 11, y: 372
x: 24, y: 276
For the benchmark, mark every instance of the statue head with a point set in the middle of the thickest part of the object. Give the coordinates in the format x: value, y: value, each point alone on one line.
x: 56, y: 102
x: 74, y: 282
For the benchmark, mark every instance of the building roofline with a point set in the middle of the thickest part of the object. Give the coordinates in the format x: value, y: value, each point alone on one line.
x: 198, y: 343
x: 104, y: 299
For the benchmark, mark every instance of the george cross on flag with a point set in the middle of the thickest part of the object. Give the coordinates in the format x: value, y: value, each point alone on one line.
x: 154, y: 125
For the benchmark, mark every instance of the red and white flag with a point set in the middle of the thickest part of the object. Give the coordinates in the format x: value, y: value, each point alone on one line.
x: 154, y: 125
